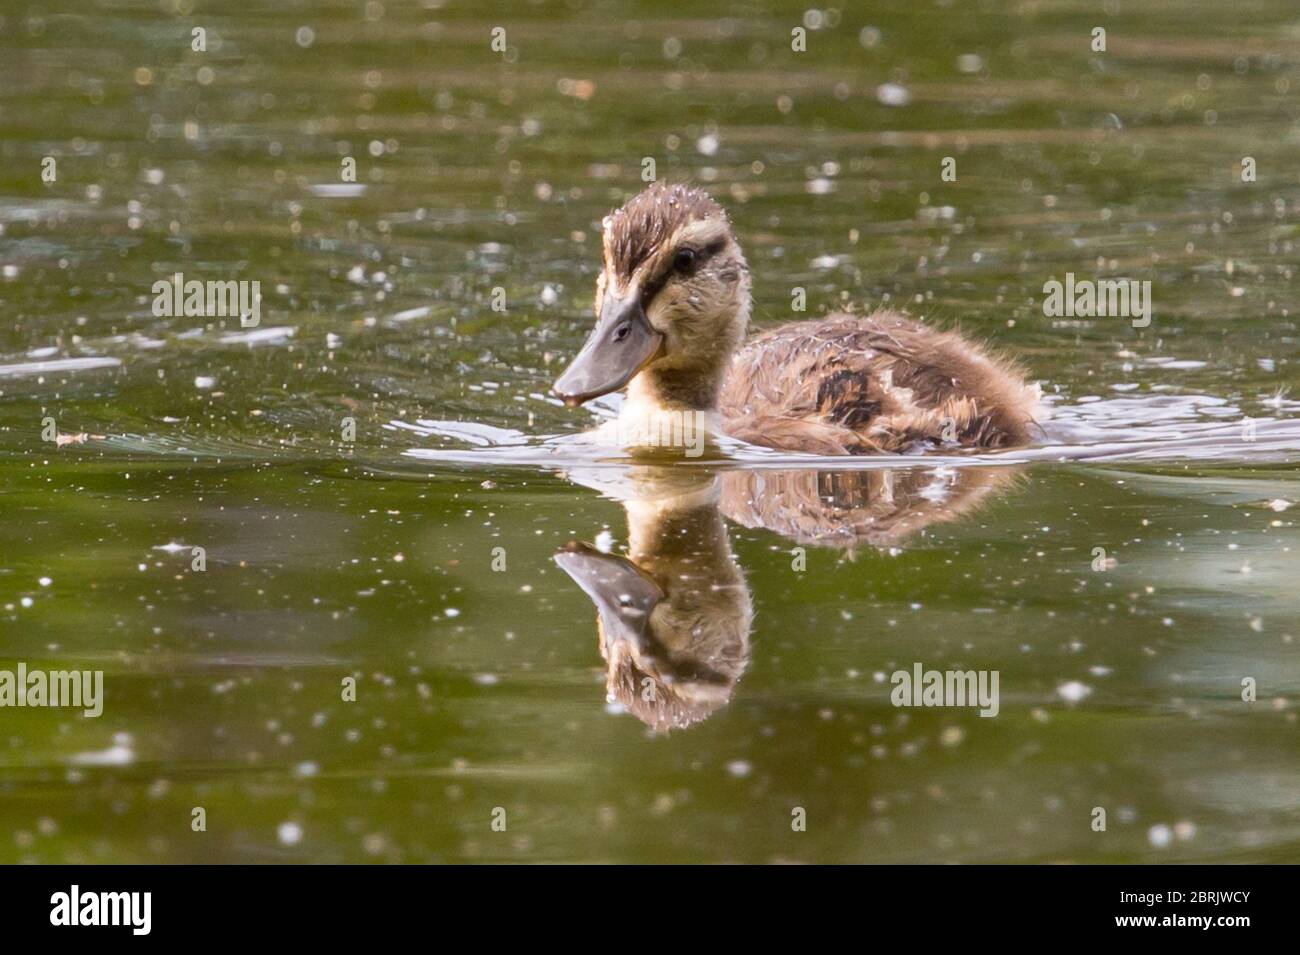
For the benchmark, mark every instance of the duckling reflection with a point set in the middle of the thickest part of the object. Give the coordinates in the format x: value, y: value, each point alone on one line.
x: 674, y: 616
x: 881, y: 507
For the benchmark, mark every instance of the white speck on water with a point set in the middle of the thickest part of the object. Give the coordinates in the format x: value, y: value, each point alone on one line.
x: 337, y: 190
x: 1159, y: 835
x: 1163, y: 362
x: 938, y: 213
x: 305, y: 769
x: 1074, y: 691
x: 422, y: 311
x: 486, y: 679
x: 707, y: 145
x: 891, y: 94
x: 305, y: 37
x: 1184, y: 830
x: 549, y: 295
x: 56, y: 365
x: 289, y: 833
x: 119, y: 754
x: 259, y: 336
x: 452, y: 612
x: 1280, y: 504
x: 970, y: 63
x: 739, y: 768
x: 204, y: 382
x: 26, y: 601
x: 604, y: 541
x: 45, y: 581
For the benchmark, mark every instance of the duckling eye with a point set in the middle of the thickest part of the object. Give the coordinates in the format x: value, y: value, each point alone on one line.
x: 683, y: 260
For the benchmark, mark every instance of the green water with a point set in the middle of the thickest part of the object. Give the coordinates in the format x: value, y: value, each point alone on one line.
x: 428, y: 577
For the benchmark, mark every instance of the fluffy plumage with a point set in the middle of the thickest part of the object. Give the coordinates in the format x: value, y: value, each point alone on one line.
x: 848, y: 384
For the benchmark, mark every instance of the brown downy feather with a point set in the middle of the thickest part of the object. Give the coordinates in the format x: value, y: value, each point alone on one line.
x: 847, y: 384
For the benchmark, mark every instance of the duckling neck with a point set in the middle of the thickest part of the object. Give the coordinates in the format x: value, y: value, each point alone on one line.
x: 686, y: 384
x: 670, y: 408
x: 676, y: 386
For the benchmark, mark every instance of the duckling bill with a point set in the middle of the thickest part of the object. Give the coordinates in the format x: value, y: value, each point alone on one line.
x: 673, y: 617
x: 673, y: 305
x: 624, y: 595
x: 622, y: 344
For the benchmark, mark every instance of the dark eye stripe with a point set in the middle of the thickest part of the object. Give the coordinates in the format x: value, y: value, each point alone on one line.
x: 713, y: 248
x: 701, y: 256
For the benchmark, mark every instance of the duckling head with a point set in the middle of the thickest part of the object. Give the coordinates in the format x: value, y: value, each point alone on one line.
x: 673, y: 619
x: 672, y: 303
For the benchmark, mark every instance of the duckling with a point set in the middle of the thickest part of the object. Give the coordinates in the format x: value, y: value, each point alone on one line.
x: 673, y: 304
x: 674, y: 616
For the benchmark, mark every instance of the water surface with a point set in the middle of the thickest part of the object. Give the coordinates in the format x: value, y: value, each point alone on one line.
x: 1172, y: 447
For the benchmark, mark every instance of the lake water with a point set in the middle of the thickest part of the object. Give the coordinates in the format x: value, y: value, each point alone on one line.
x: 1124, y: 576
